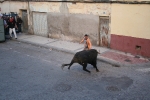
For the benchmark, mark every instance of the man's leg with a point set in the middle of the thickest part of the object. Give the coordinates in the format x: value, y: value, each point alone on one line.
x: 10, y: 32
x: 20, y: 28
x: 14, y: 31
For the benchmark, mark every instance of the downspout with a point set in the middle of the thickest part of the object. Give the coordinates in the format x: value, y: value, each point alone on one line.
x: 28, y: 11
x: 28, y: 8
x: 9, y: 7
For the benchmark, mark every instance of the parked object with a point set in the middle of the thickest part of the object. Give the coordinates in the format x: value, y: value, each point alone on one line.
x: 19, y: 22
x: 2, y: 33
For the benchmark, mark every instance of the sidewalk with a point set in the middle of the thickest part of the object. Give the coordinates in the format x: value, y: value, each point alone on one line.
x: 116, y: 58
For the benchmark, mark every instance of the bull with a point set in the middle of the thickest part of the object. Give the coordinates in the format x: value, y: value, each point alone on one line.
x: 83, y: 58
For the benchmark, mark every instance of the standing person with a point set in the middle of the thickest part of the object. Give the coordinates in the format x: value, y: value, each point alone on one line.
x: 12, y: 25
x: 87, y: 42
x: 19, y: 22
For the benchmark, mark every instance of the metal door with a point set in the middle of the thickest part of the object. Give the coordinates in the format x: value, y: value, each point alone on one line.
x: 104, y: 32
x: 40, y: 24
x: 25, y: 20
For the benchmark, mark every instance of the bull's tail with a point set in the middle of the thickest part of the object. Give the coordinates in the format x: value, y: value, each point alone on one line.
x: 63, y: 65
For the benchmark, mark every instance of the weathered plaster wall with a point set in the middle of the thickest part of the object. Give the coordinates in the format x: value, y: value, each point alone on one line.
x: 82, y: 17
x: 45, y: 6
x: 131, y: 20
x: 72, y: 27
x: 12, y: 6
x: 90, y: 1
x: 101, y: 9
x: 70, y: 21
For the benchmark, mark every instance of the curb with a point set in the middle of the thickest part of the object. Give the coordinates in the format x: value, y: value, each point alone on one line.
x: 110, y: 61
x: 100, y: 58
x: 46, y: 46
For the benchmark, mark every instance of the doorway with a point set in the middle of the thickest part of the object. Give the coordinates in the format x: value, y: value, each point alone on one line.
x: 40, y: 24
x: 104, y: 32
x: 25, y: 21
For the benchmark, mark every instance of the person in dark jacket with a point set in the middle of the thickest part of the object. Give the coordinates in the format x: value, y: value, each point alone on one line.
x: 19, y: 22
x: 12, y: 25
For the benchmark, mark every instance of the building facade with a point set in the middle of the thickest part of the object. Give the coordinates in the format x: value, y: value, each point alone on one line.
x: 121, y: 25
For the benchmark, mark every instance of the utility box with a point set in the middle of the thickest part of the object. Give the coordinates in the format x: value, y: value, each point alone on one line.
x: 2, y: 33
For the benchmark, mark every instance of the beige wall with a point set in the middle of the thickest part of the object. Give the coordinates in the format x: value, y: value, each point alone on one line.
x: 131, y: 20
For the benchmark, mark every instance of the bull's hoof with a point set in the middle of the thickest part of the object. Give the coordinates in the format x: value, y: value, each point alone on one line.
x: 62, y: 66
x: 97, y: 70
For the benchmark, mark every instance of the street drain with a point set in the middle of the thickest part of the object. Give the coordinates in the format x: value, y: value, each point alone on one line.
x: 127, y: 60
x: 116, y: 65
x: 62, y: 87
x: 112, y: 88
x: 137, y: 56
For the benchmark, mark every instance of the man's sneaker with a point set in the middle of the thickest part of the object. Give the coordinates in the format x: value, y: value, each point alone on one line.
x: 15, y: 38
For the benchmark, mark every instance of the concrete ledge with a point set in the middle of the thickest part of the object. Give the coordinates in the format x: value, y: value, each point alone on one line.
x: 110, y: 61
x: 46, y: 46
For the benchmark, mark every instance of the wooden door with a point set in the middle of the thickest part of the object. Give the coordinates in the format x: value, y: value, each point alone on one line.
x: 104, y: 32
x: 25, y: 20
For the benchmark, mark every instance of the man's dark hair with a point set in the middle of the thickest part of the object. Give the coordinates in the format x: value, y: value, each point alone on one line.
x: 85, y: 35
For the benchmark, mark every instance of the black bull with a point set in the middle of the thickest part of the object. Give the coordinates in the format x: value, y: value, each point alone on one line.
x: 83, y: 58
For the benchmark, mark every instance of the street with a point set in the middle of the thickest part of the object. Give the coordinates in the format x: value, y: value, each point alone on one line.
x: 29, y: 72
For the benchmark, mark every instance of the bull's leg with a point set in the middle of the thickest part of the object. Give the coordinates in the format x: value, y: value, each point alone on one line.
x: 84, y: 68
x: 70, y: 64
x: 94, y: 65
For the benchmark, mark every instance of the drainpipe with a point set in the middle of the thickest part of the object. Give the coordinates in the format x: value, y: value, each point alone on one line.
x: 28, y: 7
x: 9, y: 7
x: 28, y: 11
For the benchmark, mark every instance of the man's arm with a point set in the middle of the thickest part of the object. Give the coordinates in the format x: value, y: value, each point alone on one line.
x: 82, y: 40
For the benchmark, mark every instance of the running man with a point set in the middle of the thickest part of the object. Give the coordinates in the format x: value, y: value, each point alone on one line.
x: 87, y: 42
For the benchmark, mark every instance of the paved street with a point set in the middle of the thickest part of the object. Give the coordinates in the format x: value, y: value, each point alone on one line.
x: 29, y: 72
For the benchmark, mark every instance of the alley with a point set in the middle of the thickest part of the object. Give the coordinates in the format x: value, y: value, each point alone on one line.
x: 29, y: 72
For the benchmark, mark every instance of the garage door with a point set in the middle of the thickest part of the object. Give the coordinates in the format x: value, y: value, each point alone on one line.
x: 40, y: 24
